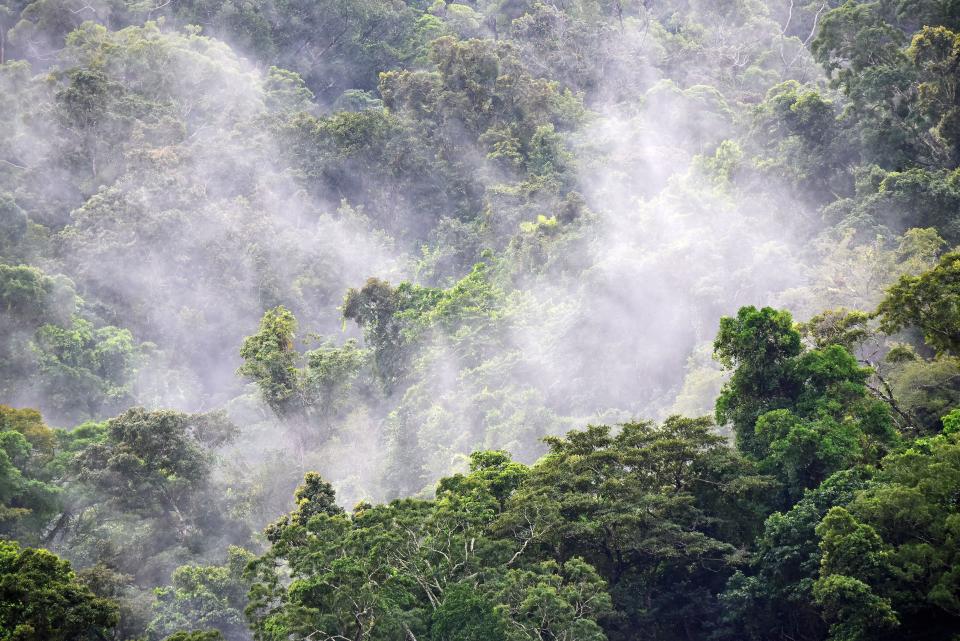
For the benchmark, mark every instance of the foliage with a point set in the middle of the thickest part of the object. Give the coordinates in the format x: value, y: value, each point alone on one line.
x: 929, y: 302
x: 209, y: 597
x: 148, y: 479
x: 804, y: 413
x: 503, y: 220
x: 43, y: 599
x: 309, y: 390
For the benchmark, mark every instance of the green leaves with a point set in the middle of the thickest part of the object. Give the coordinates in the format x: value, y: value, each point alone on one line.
x: 935, y: 53
x: 467, y: 614
x: 930, y: 302
x: 271, y: 360
x: 41, y: 599
x: 306, y: 390
x: 554, y: 601
x: 420, y: 567
x: 206, y: 597
x: 28, y: 500
x: 760, y: 345
x: 631, y: 505
x: 804, y: 413
x: 396, y: 320
x: 854, y: 558
x: 859, y: 613
x: 83, y: 367
x: 148, y: 482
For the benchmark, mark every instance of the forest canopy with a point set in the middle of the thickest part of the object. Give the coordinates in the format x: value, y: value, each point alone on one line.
x: 499, y: 320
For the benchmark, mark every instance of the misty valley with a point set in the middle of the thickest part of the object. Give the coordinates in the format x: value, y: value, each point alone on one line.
x: 482, y: 320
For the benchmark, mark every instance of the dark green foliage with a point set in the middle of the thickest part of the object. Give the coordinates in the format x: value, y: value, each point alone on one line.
x: 760, y: 345
x: 633, y: 505
x: 466, y: 615
x: 930, y: 302
x: 889, y: 561
x: 397, y: 319
x: 804, y: 413
x: 41, y: 599
x: 804, y: 141
x: 772, y: 598
x: 522, y: 216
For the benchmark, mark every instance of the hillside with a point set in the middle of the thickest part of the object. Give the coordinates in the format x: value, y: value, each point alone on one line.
x: 500, y: 320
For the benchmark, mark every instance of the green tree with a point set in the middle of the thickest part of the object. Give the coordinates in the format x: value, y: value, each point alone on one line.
x: 43, y: 600
x: 466, y: 615
x: 344, y: 574
x: 864, y: 55
x: 28, y: 498
x: 760, y: 346
x: 208, y: 597
x: 897, y: 539
x: 929, y: 302
x: 26, y: 502
x: 144, y: 496
x: 271, y: 360
x: 633, y: 505
x: 853, y: 558
x: 935, y: 53
x: 772, y: 598
x: 804, y: 413
x: 86, y: 372
x: 305, y: 390
x: 551, y: 601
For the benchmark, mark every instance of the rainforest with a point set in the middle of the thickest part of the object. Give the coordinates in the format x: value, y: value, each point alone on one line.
x: 479, y: 320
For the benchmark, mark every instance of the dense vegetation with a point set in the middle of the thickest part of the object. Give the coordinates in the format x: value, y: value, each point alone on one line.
x: 499, y: 320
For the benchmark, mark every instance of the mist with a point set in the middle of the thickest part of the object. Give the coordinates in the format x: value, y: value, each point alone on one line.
x: 369, y: 239
x: 188, y: 222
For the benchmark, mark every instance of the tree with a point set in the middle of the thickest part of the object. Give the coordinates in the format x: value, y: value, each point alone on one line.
x: 895, y: 537
x: 29, y: 297
x: 805, y: 141
x: 935, y: 53
x: 375, y: 308
x: 634, y: 506
x: 859, y: 614
x: 467, y: 615
x: 395, y: 320
x: 804, y: 413
x: 553, y: 601
x: 307, y: 391
x: 27, y: 503
x: 865, y: 57
x: 28, y: 500
x: 207, y: 597
x: 759, y: 345
x: 270, y: 360
x: 43, y: 600
x: 853, y: 558
x: 86, y: 372
x: 147, y: 482
x: 343, y: 568
x: 419, y: 569
x: 772, y: 598
x: 929, y: 302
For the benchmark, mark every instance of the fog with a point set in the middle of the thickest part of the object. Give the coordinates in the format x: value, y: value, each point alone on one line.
x: 191, y: 204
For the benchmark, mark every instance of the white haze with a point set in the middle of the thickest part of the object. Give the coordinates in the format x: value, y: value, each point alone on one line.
x: 674, y: 247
